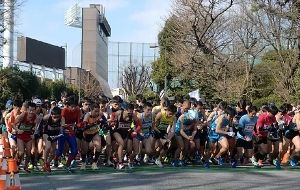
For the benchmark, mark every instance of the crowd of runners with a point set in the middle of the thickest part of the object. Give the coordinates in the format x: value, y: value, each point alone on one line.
x: 111, y: 132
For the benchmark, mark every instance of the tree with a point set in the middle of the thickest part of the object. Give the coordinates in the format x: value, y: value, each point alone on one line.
x: 135, y: 79
x: 17, y: 84
x: 279, y: 27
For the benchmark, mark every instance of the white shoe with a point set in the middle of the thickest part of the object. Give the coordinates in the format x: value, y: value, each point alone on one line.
x: 158, y: 163
x: 120, y: 166
x: 83, y: 166
x: 138, y: 158
x: 94, y: 166
x: 253, y: 160
x: 125, y: 158
x: 146, y: 158
x: 61, y: 165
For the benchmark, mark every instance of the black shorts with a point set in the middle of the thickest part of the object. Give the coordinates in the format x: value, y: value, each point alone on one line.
x: 203, y: 136
x: 89, y: 138
x: 124, y: 133
x: 244, y: 144
x: 290, y: 134
x: 261, y: 140
x: 79, y: 134
x: 161, y: 135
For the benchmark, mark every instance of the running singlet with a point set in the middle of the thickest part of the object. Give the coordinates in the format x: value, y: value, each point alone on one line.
x: 247, y: 125
x: 146, y: 123
x: 165, y: 121
x: 27, y: 125
x: 92, y: 125
x: 11, y: 121
x: 213, y: 127
x: 122, y: 124
x: 188, y: 119
x: 52, y: 128
x: 264, y: 123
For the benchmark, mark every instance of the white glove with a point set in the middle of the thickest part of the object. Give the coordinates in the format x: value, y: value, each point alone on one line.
x: 231, y: 134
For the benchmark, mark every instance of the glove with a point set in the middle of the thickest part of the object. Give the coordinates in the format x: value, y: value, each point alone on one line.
x: 231, y: 134
x: 133, y: 134
x: 247, y: 138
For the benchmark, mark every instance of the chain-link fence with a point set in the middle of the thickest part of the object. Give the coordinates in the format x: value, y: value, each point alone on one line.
x: 120, y: 54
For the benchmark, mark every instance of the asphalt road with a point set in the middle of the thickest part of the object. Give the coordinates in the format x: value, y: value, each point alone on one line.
x: 166, y: 178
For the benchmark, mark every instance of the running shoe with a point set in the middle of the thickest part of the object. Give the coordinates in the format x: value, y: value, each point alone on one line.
x: 94, y: 166
x: 213, y: 161
x: 146, y: 158
x: 260, y: 163
x: 233, y: 163
x: 220, y: 161
x: 175, y: 163
x: 30, y: 166
x: 253, y: 161
x: 120, y: 166
x: 130, y: 165
x: 181, y: 163
x: 293, y: 162
x: 138, y: 158
x: 276, y: 164
x: 206, y: 165
x: 83, y: 166
x: 158, y: 163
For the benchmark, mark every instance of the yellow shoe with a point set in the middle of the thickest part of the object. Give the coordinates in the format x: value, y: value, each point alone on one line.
x: 30, y: 166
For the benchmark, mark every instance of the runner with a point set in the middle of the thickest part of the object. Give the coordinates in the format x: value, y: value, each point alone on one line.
x: 146, y: 137
x: 24, y: 125
x: 245, y: 132
x: 105, y: 131
x: 266, y: 135
x: 185, y: 132
x: 219, y: 129
x: 52, y: 130
x: 71, y: 116
x: 201, y: 136
x: 292, y: 133
x: 86, y: 102
x: 126, y: 127
x: 92, y: 122
x: 10, y: 119
x: 164, y: 131
x: 37, y: 142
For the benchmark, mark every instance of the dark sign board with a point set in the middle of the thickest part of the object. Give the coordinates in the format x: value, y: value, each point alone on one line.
x: 40, y: 53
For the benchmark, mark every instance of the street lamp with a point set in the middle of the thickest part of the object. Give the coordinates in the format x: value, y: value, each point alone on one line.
x: 154, y: 47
